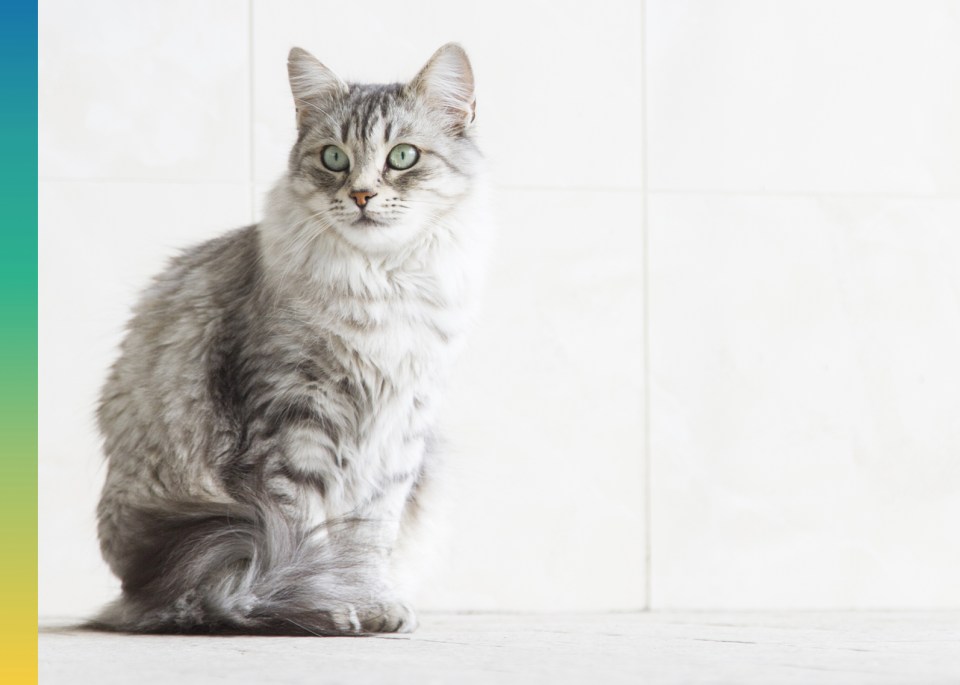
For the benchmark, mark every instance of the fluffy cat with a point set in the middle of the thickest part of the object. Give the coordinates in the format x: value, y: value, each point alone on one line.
x: 268, y: 425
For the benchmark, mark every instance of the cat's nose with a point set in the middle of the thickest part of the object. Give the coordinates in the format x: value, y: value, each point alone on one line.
x: 361, y: 196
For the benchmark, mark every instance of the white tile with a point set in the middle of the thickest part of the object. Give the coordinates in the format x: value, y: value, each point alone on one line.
x: 824, y: 95
x: 558, y: 82
x: 260, y: 192
x: 544, y: 417
x: 805, y: 385
x: 157, y: 89
x: 99, y: 245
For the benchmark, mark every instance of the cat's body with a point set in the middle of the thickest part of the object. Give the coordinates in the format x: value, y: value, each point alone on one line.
x: 269, y: 423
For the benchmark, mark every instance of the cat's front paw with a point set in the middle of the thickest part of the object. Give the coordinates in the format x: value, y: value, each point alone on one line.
x: 389, y: 617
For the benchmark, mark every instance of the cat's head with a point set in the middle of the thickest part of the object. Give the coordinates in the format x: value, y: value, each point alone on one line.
x: 381, y: 164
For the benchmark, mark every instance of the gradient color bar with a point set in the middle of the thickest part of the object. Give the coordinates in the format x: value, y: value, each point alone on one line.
x: 18, y: 340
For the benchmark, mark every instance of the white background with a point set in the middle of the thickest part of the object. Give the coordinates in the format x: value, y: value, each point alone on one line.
x: 719, y: 363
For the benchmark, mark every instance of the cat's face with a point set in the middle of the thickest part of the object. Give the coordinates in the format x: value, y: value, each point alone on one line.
x: 381, y: 165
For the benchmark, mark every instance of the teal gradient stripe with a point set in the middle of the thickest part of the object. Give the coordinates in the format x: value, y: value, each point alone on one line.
x: 18, y: 339
x: 18, y: 254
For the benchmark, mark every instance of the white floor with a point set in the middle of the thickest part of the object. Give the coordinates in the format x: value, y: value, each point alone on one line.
x: 666, y: 647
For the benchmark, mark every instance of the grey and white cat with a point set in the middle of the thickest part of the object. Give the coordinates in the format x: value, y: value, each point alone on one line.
x: 269, y: 422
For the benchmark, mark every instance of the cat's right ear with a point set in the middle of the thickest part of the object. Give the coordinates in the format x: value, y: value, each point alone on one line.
x: 446, y: 83
x: 310, y: 82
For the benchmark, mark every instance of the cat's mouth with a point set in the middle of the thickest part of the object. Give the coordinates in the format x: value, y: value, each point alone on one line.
x: 365, y: 220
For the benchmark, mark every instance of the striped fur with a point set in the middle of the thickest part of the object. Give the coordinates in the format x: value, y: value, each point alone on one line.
x: 269, y: 424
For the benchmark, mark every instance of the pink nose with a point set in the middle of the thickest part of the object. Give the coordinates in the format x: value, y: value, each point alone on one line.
x: 361, y: 196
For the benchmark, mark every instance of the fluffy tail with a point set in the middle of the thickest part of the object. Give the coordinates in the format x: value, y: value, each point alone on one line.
x: 241, y: 568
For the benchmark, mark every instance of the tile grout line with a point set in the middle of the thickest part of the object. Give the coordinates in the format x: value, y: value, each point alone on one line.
x: 250, y: 122
x: 839, y: 195
x: 145, y: 181
x: 554, y: 188
x: 645, y: 241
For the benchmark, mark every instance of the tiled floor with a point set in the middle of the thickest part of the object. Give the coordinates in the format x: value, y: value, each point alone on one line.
x: 662, y: 647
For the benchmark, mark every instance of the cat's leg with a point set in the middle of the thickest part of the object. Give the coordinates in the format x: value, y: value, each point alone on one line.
x: 404, y: 502
x: 377, y: 538
x: 354, y: 518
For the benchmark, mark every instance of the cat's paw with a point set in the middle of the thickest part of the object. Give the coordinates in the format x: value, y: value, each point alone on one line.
x: 345, y: 620
x: 389, y: 617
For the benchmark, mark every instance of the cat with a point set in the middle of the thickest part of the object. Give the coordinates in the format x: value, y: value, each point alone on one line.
x: 269, y: 423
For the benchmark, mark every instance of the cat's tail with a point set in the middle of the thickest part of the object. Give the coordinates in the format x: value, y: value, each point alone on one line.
x: 241, y: 568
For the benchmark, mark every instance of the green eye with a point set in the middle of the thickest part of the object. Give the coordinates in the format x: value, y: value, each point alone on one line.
x: 403, y: 156
x: 334, y: 158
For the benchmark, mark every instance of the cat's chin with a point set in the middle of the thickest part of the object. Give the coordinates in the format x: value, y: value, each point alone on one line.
x: 373, y: 235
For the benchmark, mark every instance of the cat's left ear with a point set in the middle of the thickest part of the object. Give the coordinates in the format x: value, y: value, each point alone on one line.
x: 310, y: 81
x: 446, y: 83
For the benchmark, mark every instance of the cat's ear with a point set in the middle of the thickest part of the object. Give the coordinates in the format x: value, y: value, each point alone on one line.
x: 310, y: 81
x: 446, y: 83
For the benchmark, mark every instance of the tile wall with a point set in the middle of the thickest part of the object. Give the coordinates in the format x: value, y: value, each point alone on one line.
x: 717, y: 365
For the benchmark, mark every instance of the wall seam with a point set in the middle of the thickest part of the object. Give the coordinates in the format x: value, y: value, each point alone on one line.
x: 251, y: 185
x: 645, y: 198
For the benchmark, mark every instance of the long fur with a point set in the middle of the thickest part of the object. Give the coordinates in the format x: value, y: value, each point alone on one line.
x: 269, y: 424
x: 244, y: 569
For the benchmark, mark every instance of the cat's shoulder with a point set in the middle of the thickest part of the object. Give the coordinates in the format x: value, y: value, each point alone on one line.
x: 231, y: 248
x: 220, y: 268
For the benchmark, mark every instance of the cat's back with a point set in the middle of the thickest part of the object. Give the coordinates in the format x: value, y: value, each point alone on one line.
x: 156, y: 396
